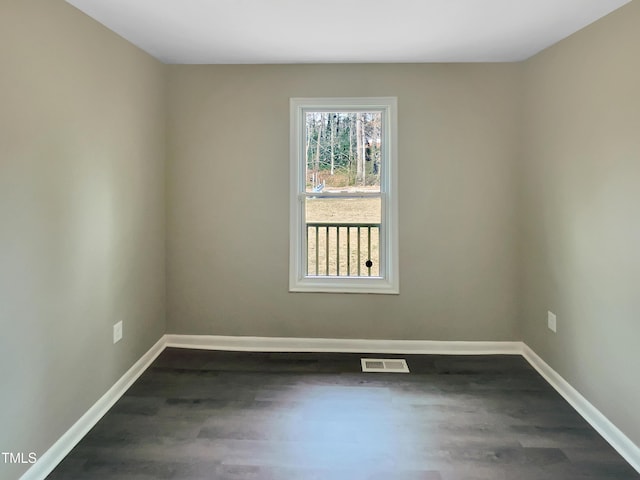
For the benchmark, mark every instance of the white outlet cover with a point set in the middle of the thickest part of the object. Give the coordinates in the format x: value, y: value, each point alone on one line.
x: 551, y: 321
x: 117, y: 332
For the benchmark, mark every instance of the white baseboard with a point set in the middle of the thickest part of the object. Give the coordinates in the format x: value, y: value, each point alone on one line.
x: 342, y: 345
x: 52, y: 457
x: 612, y: 434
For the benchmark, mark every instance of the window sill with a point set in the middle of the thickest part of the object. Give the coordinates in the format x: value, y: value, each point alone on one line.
x: 374, y: 285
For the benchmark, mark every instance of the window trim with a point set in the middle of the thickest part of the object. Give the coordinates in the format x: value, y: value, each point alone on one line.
x: 388, y: 282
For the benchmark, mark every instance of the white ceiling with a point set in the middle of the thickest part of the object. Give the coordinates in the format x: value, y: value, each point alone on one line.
x: 336, y: 31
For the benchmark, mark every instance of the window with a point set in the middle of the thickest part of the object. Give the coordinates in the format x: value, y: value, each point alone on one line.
x: 343, y: 210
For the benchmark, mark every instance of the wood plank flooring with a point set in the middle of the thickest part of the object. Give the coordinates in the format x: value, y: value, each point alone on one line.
x: 196, y: 415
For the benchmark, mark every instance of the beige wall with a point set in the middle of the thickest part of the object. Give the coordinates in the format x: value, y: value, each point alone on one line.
x: 581, y: 223
x: 81, y: 216
x: 228, y: 215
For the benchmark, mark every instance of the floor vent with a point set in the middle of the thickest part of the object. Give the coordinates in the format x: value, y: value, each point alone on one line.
x: 388, y: 365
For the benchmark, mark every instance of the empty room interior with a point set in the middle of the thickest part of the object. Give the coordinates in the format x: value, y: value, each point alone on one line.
x: 159, y: 315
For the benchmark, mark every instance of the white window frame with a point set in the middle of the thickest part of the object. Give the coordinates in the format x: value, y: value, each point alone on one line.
x: 388, y: 281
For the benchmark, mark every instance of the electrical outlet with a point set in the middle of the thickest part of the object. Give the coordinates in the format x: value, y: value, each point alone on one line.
x: 551, y: 321
x: 117, y: 332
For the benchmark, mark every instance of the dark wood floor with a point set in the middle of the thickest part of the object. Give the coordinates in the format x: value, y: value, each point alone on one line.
x: 225, y: 415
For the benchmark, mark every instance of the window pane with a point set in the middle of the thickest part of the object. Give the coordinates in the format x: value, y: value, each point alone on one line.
x: 343, y: 151
x: 343, y: 210
x: 343, y: 236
